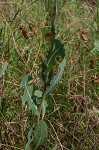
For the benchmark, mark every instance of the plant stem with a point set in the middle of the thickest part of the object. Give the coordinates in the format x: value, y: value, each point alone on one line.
x: 53, y: 27
x: 52, y: 38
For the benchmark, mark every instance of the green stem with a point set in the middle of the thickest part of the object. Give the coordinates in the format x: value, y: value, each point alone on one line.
x: 51, y: 48
x: 53, y: 24
x: 53, y: 29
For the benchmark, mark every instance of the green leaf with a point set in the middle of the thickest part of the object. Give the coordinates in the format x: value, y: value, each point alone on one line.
x: 25, y: 80
x: 44, y: 105
x: 58, y: 51
x: 51, y: 60
x: 3, y: 69
x: 28, y: 93
x: 41, y: 133
x: 96, y: 44
x: 56, y: 5
x: 38, y: 93
x: 56, y: 78
x: 46, y: 5
x: 27, y: 147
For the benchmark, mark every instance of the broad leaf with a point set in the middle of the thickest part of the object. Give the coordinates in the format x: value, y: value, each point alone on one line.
x: 58, y: 51
x: 44, y: 105
x: 41, y: 133
x: 51, y: 60
x: 3, y: 69
x: 28, y: 93
x: 56, y: 78
x: 25, y: 81
x: 27, y: 147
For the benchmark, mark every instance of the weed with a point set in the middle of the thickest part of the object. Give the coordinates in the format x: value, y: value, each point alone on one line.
x: 71, y: 116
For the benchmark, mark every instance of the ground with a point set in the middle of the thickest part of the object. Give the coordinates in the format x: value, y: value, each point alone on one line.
x: 72, y: 114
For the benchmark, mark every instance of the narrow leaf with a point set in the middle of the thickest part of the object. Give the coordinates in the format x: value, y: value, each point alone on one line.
x: 44, y: 105
x: 41, y: 133
x: 56, y: 5
x: 25, y: 80
x: 46, y: 5
x: 58, y: 51
x: 3, y: 69
x: 51, y: 59
x: 56, y: 78
x: 27, y: 147
x: 28, y: 93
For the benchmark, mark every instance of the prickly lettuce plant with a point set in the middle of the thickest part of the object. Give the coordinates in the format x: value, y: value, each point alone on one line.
x: 35, y: 97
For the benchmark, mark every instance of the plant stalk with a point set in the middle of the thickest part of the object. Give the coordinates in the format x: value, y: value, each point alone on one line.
x: 52, y: 38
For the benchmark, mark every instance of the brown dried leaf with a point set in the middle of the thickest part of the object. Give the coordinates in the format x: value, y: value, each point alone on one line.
x: 24, y: 32
x: 32, y: 28
x: 84, y: 36
x: 42, y: 57
x: 6, y: 56
x: 41, y: 24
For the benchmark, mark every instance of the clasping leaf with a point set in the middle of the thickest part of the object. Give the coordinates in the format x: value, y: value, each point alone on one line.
x: 28, y: 93
x: 41, y: 133
x: 56, y: 78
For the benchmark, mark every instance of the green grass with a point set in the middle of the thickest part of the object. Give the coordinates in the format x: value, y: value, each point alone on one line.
x: 72, y: 114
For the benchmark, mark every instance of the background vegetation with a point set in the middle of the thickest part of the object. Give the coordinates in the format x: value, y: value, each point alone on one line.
x: 72, y: 113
